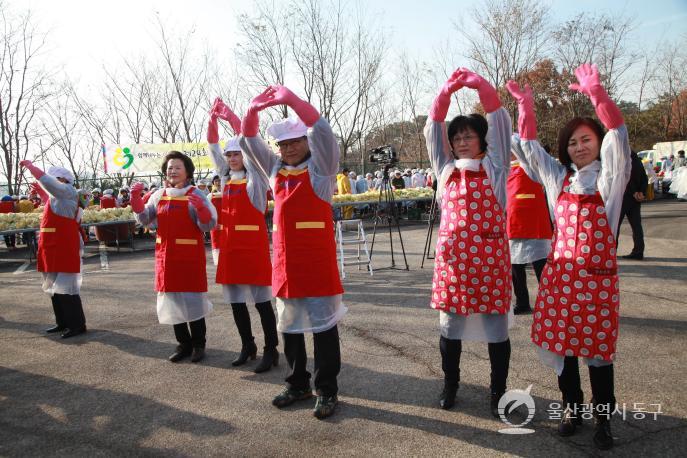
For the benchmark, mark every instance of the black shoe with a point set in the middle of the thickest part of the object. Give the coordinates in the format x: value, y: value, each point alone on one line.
x: 603, y: 439
x: 289, y: 396
x: 324, y: 407
x: 637, y: 256
x: 270, y: 358
x: 518, y: 310
x: 181, y: 353
x: 447, y: 398
x: 494, y: 404
x: 72, y: 332
x: 197, y: 354
x: 247, y: 351
x: 569, y: 423
x: 56, y: 328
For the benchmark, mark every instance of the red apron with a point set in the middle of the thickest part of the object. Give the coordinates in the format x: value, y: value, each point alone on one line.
x: 527, y: 211
x: 179, y: 248
x: 58, y: 244
x: 216, y: 232
x: 7, y: 206
x: 107, y: 202
x: 472, y: 268
x: 244, y: 255
x: 302, y: 240
x: 577, y: 306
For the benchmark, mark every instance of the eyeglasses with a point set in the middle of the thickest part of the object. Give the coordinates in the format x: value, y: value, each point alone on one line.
x: 466, y: 138
x: 284, y: 144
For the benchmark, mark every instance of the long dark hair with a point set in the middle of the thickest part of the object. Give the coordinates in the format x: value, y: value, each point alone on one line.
x: 476, y: 122
x: 567, y: 131
x: 188, y: 163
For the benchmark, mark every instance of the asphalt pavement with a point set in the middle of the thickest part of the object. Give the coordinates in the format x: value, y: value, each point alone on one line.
x: 112, y: 392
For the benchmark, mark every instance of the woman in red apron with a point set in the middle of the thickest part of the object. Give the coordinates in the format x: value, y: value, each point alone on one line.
x: 471, y: 286
x: 182, y: 214
x: 244, y: 269
x: 576, y: 314
x: 305, y: 275
x: 60, y: 247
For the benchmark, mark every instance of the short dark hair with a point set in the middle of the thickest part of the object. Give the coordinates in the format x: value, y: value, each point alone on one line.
x: 188, y: 163
x: 476, y: 122
x: 345, y: 170
x: 681, y: 152
x: 567, y: 131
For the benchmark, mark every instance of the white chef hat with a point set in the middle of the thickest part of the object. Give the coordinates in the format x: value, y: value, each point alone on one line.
x: 232, y: 145
x: 352, y: 174
x: 287, y: 129
x: 60, y: 172
x: 378, y: 174
x: 96, y: 190
x: 369, y: 175
x: 23, y: 197
x: 108, y: 192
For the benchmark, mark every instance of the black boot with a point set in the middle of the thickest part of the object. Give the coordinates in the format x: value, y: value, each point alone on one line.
x: 270, y: 358
x: 270, y: 355
x: 57, y: 307
x: 499, y: 359
x: 249, y: 350
x: 242, y: 320
x: 603, y: 438
x: 450, y: 363
x: 572, y: 416
x: 182, y: 351
x: 569, y: 384
x: 73, y: 315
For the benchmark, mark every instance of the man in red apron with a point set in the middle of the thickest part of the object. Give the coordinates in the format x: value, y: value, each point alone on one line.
x: 528, y: 227
x: 305, y: 275
x: 59, y: 249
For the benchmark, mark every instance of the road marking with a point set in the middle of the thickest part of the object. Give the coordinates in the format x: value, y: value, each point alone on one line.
x: 22, y: 268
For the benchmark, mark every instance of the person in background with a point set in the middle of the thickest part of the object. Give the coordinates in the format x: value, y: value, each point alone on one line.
x: 397, y: 181
x: 95, y: 196
x: 362, y: 184
x: 108, y: 200
x: 528, y: 225
x: 680, y: 161
x: 203, y: 186
x: 418, y: 179
x: 60, y: 247
x: 216, y: 184
x: 7, y: 206
x: 407, y: 179
x: 352, y: 177
x: 344, y: 187
x: 124, y: 199
x: 632, y: 207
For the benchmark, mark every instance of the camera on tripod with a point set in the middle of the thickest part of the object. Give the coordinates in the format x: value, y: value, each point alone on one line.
x: 383, y: 155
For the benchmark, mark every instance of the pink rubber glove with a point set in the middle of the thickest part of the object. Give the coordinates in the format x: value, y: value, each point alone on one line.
x: 443, y: 99
x: 589, y: 84
x: 213, y: 129
x: 281, y: 95
x: 203, y: 212
x: 222, y: 111
x: 38, y: 189
x: 137, y: 205
x: 527, y: 120
x: 35, y: 171
x: 487, y: 94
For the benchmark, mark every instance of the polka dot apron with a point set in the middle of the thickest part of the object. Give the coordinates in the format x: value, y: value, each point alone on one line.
x: 577, y: 305
x: 472, y: 267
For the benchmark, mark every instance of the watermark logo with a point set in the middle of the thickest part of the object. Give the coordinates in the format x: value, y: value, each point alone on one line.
x: 123, y: 158
x: 510, y: 401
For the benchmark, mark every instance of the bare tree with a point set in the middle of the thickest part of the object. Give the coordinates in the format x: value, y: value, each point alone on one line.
x: 24, y: 91
x: 510, y: 37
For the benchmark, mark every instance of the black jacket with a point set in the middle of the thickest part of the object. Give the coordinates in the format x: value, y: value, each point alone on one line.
x: 638, y: 180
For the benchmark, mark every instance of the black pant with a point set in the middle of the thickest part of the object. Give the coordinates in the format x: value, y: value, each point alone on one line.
x: 327, y: 361
x: 267, y: 319
x: 633, y: 211
x: 68, y: 311
x: 195, y: 339
x: 601, y: 379
x: 522, y: 295
x: 499, y: 358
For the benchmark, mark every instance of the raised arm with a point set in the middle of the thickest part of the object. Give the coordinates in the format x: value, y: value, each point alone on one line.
x: 548, y: 169
x: 616, y: 162
x: 52, y: 185
x: 438, y: 147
